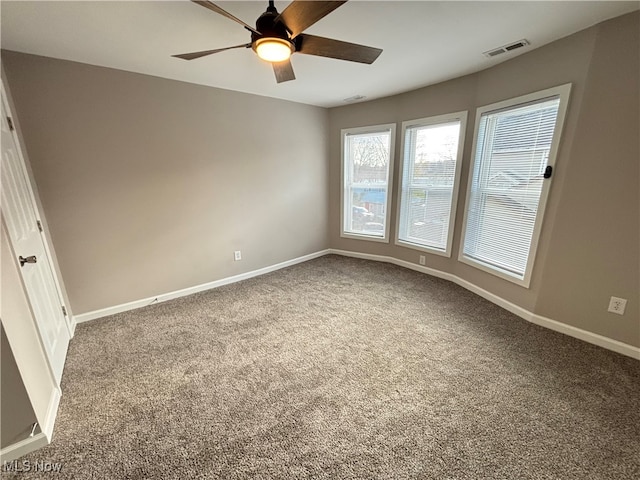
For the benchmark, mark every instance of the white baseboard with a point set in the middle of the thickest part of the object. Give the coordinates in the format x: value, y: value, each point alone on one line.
x: 85, y: 317
x: 590, y: 337
x: 23, y: 447
x: 575, y: 332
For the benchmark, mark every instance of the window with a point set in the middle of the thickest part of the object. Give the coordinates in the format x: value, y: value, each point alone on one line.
x: 516, y: 142
x: 432, y: 152
x: 367, y: 160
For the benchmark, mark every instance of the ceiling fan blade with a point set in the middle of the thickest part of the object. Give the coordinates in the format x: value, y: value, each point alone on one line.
x: 212, y: 6
x: 328, y: 47
x: 204, y: 53
x: 300, y: 15
x: 283, y: 71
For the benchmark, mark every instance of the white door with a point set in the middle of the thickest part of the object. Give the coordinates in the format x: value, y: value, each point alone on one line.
x: 21, y: 218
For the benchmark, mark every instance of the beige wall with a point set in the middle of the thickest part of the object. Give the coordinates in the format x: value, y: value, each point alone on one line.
x: 589, y: 245
x: 149, y: 185
x: 595, y: 247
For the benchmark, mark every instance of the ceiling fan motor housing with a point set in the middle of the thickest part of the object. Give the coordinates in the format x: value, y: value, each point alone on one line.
x: 269, y: 28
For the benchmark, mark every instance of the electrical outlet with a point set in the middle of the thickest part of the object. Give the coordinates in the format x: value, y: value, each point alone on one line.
x: 237, y: 255
x: 423, y: 260
x: 617, y: 305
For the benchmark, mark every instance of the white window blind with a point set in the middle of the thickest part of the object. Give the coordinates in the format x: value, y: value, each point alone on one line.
x: 430, y: 173
x: 513, y: 147
x: 367, y: 160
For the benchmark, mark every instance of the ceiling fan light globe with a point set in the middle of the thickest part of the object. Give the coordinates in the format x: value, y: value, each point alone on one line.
x: 273, y: 49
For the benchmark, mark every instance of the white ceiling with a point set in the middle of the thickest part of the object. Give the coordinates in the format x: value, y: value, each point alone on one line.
x: 424, y: 42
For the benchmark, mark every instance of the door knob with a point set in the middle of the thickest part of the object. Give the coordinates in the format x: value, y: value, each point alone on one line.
x: 31, y: 259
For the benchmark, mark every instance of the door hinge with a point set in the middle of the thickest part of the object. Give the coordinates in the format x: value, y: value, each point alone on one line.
x: 64, y: 311
x: 10, y: 122
x: 39, y: 223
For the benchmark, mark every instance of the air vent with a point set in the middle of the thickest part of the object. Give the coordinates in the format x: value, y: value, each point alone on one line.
x: 506, y: 48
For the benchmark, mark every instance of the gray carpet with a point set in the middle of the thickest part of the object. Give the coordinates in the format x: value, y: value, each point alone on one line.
x: 341, y: 368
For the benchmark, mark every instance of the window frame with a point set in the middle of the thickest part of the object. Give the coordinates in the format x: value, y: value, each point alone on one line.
x: 382, y: 128
x: 425, y: 122
x: 563, y: 93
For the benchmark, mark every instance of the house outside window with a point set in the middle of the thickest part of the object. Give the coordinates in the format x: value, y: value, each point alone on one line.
x: 367, y: 163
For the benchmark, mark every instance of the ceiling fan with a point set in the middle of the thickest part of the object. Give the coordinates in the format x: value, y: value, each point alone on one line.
x: 278, y: 35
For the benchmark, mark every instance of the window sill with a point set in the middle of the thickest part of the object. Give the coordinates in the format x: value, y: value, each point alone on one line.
x: 423, y: 248
x: 370, y: 238
x: 522, y: 281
